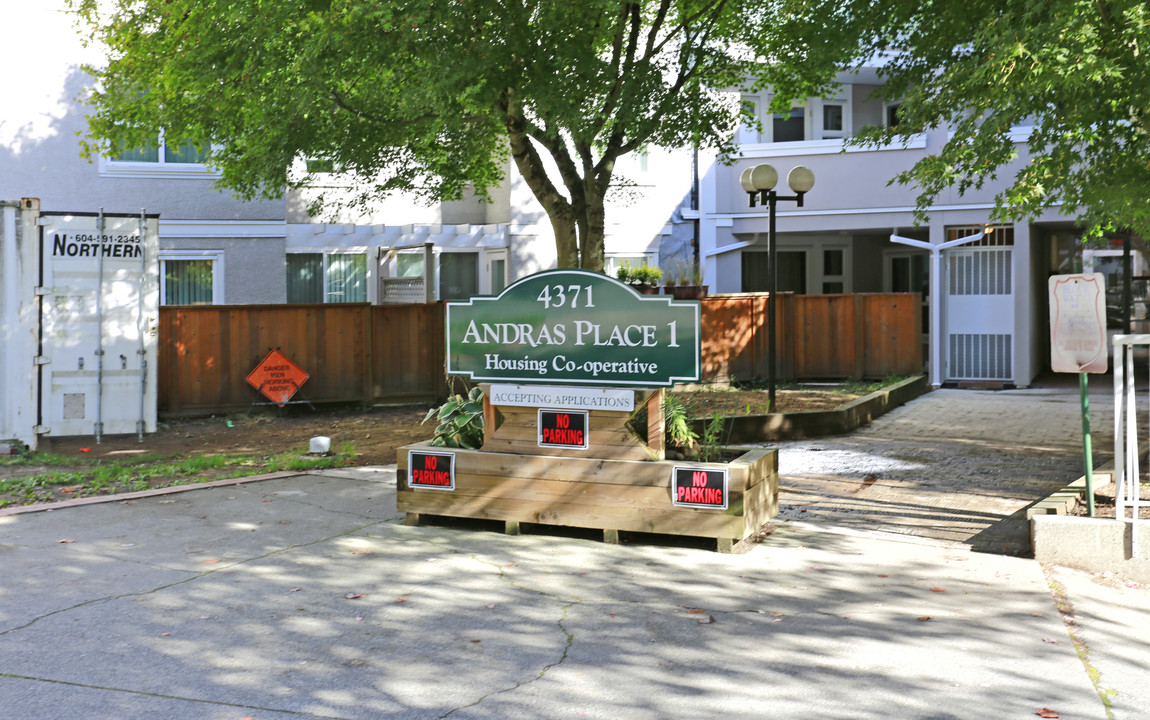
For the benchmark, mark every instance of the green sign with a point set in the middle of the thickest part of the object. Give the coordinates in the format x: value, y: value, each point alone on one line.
x: 574, y: 327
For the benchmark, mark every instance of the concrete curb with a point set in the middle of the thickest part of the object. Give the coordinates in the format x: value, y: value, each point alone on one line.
x: 1085, y: 543
x: 97, y: 499
x: 1091, y: 544
x: 817, y: 423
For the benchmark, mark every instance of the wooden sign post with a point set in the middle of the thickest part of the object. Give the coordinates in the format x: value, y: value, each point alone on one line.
x: 565, y: 358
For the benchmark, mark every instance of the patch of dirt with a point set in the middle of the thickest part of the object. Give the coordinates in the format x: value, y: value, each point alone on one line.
x: 705, y: 403
x: 373, y: 435
x: 1105, y: 505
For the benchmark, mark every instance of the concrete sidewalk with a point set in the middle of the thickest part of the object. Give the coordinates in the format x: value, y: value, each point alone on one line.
x: 308, y: 597
x: 956, y: 466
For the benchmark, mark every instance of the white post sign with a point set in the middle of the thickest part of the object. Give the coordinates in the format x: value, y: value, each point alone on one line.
x: 1078, y: 323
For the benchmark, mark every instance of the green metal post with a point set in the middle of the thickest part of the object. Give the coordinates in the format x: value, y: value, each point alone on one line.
x: 1086, y: 443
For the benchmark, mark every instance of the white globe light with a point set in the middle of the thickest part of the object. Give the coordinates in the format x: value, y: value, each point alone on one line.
x: 745, y: 181
x: 801, y: 179
x: 764, y: 177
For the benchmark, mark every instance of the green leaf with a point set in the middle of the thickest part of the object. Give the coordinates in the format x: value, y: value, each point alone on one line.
x: 435, y: 97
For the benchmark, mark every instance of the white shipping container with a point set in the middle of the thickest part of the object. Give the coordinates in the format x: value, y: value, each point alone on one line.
x: 81, y: 317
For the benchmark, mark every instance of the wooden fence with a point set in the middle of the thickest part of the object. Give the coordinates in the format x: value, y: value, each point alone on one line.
x: 364, y: 354
x: 816, y: 336
x: 354, y: 353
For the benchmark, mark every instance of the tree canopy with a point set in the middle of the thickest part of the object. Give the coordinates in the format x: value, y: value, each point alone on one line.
x: 1069, y: 76
x: 430, y: 96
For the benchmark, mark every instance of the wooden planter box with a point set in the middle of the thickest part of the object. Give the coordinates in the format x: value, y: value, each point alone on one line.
x: 591, y: 492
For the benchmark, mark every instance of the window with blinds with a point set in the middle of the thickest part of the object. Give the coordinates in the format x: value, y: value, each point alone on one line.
x: 346, y: 278
x: 187, y: 282
x: 163, y: 151
x: 305, y: 277
x: 332, y: 278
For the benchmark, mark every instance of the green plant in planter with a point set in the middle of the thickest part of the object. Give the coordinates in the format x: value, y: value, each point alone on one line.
x: 460, y: 421
x: 643, y: 275
x: 648, y: 275
x: 678, y: 425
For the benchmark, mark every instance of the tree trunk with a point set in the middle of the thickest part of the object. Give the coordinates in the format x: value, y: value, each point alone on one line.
x: 593, y: 245
x: 566, y: 239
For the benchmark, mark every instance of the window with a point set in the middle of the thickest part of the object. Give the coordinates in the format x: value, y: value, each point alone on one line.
x: 305, y: 277
x: 326, y: 277
x: 792, y: 274
x: 834, y: 278
x: 747, y: 133
x: 161, y: 157
x: 612, y: 263
x: 834, y: 121
x: 458, y: 275
x: 789, y: 128
x: 409, y: 264
x: 191, y: 280
x: 890, y: 114
x: 160, y: 150
x: 498, y: 275
x: 817, y: 119
x: 323, y: 165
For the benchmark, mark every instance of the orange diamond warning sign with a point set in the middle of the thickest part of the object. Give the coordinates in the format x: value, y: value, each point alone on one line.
x: 277, y: 377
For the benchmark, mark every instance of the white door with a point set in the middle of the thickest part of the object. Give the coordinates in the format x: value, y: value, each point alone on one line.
x: 98, y: 317
x: 979, y: 313
x: 495, y: 276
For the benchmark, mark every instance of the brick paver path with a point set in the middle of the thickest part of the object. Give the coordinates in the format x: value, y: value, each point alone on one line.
x: 953, y: 465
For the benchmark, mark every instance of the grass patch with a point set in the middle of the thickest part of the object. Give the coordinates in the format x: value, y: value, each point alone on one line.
x: 86, y: 477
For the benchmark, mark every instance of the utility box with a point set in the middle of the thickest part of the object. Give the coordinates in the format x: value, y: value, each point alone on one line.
x: 80, y: 304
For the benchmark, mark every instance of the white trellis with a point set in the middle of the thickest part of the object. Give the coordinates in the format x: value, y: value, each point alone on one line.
x: 1127, y: 476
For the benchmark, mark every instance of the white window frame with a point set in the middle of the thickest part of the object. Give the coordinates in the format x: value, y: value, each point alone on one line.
x: 110, y: 167
x: 844, y: 99
x: 483, y: 267
x: 487, y: 273
x: 845, y: 277
x: 613, y: 260
x: 747, y: 135
x: 814, y: 248
x: 814, y: 134
x: 215, y: 256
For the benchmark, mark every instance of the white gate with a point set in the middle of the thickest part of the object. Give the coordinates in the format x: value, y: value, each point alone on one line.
x: 980, y: 313
x: 98, y: 296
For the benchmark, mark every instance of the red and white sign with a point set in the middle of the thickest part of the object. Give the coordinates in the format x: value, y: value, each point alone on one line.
x: 1078, y: 323
x: 430, y: 470
x: 277, y: 377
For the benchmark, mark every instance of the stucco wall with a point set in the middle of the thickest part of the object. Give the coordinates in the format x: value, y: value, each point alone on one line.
x: 254, y: 268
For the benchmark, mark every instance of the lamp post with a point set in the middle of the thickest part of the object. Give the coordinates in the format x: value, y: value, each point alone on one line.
x: 759, y: 182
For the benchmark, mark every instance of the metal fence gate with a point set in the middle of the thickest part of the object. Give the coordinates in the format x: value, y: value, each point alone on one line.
x: 1127, y: 474
x: 980, y: 309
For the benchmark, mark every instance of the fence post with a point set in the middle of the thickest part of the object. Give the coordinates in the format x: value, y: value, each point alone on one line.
x: 861, y: 341
x: 369, y: 356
